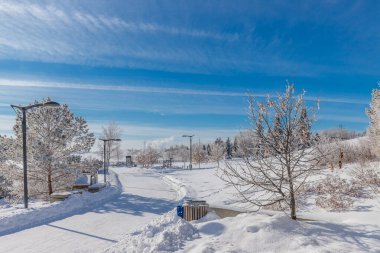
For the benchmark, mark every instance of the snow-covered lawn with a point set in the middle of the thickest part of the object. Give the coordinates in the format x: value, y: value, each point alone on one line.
x: 143, y: 219
x: 319, y: 230
x: 206, y: 185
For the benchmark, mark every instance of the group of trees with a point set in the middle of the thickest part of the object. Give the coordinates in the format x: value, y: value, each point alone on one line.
x: 281, y: 154
x: 147, y: 157
x: 56, y: 140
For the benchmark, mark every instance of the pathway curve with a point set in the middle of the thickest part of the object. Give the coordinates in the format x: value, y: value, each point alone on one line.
x: 145, y: 196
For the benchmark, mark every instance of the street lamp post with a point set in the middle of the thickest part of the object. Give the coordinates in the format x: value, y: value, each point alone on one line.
x: 24, y: 150
x: 191, y: 149
x: 104, y: 156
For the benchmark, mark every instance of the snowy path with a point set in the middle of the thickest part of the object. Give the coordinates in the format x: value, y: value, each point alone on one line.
x: 145, y: 196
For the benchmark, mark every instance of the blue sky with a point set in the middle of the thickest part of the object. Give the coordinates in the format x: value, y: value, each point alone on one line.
x: 164, y: 68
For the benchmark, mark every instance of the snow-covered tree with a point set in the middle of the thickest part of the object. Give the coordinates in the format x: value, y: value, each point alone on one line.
x: 55, y: 140
x: 235, y: 147
x: 199, y: 155
x: 208, y: 149
x: 374, y: 116
x: 246, y: 143
x: 217, y: 152
x: 228, y: 148
x: 274, y: 174
x: 183, y: 153
x: 148, y: 157
x: 305, y: 129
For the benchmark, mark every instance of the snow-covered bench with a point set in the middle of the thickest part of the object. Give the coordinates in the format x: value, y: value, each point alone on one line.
x: 95, y: 187
x: 82, y: 182
x: 59, y: 196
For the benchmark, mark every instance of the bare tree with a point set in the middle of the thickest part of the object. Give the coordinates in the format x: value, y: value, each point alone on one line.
x: 183, y: 154
x: 217, y: 152
x: 199, y: 154
x: 148, y: 157
x: 275, y: 172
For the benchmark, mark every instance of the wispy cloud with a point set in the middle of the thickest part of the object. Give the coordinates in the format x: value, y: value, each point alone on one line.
x: 135, y: 135
x: 164, y: 90
x: 80, y: 33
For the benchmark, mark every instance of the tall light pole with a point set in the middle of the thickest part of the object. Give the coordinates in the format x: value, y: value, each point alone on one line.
x: 104, y: 155
x: 191, y: 149
x: 23, y: 109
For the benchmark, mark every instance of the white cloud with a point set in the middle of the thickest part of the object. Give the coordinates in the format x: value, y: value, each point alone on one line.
x: 165, y: 90
x: 162, y: 142
x: 134, y: 135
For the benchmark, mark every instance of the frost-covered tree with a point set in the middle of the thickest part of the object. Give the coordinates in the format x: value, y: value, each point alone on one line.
x: 235, y: 147
x: 208, y: 149
x: 217, y: 152
x: 305, y: 129
x: 184, y: 154
x: 246, y: 143
x: 147, y: 157
x: 374, y: 116
x: 199, y: 155
x: 55, y: 140
x: 7, y: 175
x: 275, y: 173
x: 228, y: 148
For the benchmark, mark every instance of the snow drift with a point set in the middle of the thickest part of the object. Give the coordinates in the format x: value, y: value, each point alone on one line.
x: 165, y: 234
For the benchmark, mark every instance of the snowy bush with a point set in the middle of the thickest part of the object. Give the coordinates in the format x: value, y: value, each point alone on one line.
x: 344, y: 153
x: 4, y: 187
x: 367, y: 178
x: 336, y: 193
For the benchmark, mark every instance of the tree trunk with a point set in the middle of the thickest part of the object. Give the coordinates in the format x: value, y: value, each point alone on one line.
x: 292, y: 204
x: 50, y: 187
x: 292, y: 197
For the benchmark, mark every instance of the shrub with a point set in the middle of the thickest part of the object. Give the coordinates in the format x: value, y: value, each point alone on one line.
x: 367, y: 178
x: 337, y: 193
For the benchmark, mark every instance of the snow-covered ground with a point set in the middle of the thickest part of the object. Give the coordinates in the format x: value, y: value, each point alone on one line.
x: 142, y: 218
x: 144, y: 197
x: 355, y: 230
x: 15, y: 217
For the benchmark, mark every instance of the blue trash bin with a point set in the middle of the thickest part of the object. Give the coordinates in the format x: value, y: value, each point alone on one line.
x: 180, y: 211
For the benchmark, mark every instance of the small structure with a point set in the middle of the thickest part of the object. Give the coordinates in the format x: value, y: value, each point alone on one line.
x: 193, y: 209
x: 129, y: 162
x: 83, y: 181
x: 167, y: 163
x: 59, y: 196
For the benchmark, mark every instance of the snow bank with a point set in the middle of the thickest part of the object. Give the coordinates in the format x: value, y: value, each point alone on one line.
x: 14, y: 219
x: 165, y: 234
x: 278, y: 233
